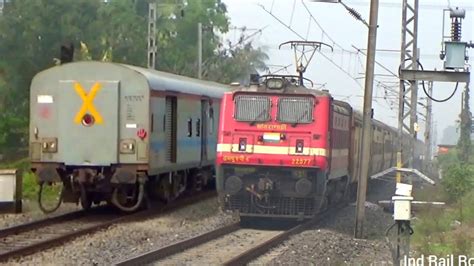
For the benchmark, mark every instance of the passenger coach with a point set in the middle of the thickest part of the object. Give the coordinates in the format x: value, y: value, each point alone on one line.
x: 119, y: 133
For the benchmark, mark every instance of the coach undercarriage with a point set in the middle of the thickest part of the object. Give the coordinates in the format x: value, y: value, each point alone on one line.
x: 278, y: 192
x: 125, y: 187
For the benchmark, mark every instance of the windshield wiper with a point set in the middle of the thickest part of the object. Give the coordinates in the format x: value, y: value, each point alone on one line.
x: 299, y: 118
x: 264, y: 111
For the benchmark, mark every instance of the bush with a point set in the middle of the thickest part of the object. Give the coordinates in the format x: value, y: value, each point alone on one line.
x: 457, y: 182
x: 30, y: 184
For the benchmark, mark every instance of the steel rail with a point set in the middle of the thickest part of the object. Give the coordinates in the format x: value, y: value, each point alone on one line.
x: 31, y: 225
x: 57, y: 240
x: 255, y: 252
x: 173, y: 249
x: 242, y: 259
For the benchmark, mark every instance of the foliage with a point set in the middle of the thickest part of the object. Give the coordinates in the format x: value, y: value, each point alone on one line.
x: 31, y: 33
x: 230, y: 64
x: 436, y: 232
x: 29, y: 182
x: 446, y: 160
x: 458, y: 180
x: 464, y: 143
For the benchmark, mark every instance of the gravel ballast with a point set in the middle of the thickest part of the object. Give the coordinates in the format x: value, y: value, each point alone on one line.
x: 133, y: 238
x: 332, y: 241
x: 31, y: 212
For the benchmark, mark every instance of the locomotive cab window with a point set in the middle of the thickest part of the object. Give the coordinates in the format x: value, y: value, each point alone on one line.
x: 252, y: 108
x: 297, y: 110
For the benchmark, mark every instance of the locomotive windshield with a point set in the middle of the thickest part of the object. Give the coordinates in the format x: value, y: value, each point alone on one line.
x: 252, y: 108
x: 295, y: 110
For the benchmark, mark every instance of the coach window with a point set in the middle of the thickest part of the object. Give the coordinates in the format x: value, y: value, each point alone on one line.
x: 211, y: 119
x: 198, y: 127
x: 190, y: 127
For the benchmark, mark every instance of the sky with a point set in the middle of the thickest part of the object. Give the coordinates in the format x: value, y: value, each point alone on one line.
x: 344, y: 76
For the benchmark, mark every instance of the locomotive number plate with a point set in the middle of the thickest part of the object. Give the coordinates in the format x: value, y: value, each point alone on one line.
x: 300, y: 161
x: 236, y: 159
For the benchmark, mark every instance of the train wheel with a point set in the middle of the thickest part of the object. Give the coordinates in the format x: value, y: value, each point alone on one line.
x: 128, y: 197
x: 332, y: 192
x: 86, y: 201
x: 164, y: 190
x: 196, y: 182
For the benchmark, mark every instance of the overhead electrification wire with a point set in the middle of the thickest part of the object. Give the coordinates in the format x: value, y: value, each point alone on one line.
x: 299, y: 35
x: 340, y: 47
x: 324, y: 33
x: 293, y: 12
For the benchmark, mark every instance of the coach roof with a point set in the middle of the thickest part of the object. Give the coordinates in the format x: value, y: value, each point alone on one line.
x: 157, y: 80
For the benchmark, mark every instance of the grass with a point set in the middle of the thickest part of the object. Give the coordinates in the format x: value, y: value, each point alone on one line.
x: 30, y: 183
x: 438, y: 232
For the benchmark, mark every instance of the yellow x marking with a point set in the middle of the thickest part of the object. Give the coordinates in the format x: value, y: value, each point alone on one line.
x: 87, y: 105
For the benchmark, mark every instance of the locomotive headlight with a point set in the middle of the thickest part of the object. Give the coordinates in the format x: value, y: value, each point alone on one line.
x: 274, y: 83
x: 233, y: 184
x: 127, y: 146
x: 50, y: 145
x: 242, y: 144
x: 299, y: 146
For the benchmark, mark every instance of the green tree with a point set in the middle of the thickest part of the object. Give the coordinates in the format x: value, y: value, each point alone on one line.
x: 235, y: 63
x: 458, y: 180
x: 178, y: 35
x: 31, y: 33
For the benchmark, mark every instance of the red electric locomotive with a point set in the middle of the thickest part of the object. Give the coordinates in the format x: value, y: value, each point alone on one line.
x: 283, y: 149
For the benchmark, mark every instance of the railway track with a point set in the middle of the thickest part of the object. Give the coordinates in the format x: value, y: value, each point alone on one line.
x: 39, y: 235
x: 229, y: 245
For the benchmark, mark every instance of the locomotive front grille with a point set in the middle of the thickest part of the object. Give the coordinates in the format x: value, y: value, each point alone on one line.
x: 282, y: 206
x: 295, y: 110
x: 252, y: 108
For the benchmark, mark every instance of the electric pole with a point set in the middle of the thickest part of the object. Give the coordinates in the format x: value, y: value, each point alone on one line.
x: 408, y: 118
x: 429, y: 118
x: 152, y: 35
x: 199, y: 50
x: 367, y: 119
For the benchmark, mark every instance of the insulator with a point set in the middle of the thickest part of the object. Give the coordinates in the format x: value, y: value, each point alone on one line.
x: 354, y: 13
x: 456, y: 30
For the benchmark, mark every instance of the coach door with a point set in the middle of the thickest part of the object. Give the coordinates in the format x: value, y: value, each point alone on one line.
x: 171, y: 128
x: 204, y: 128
